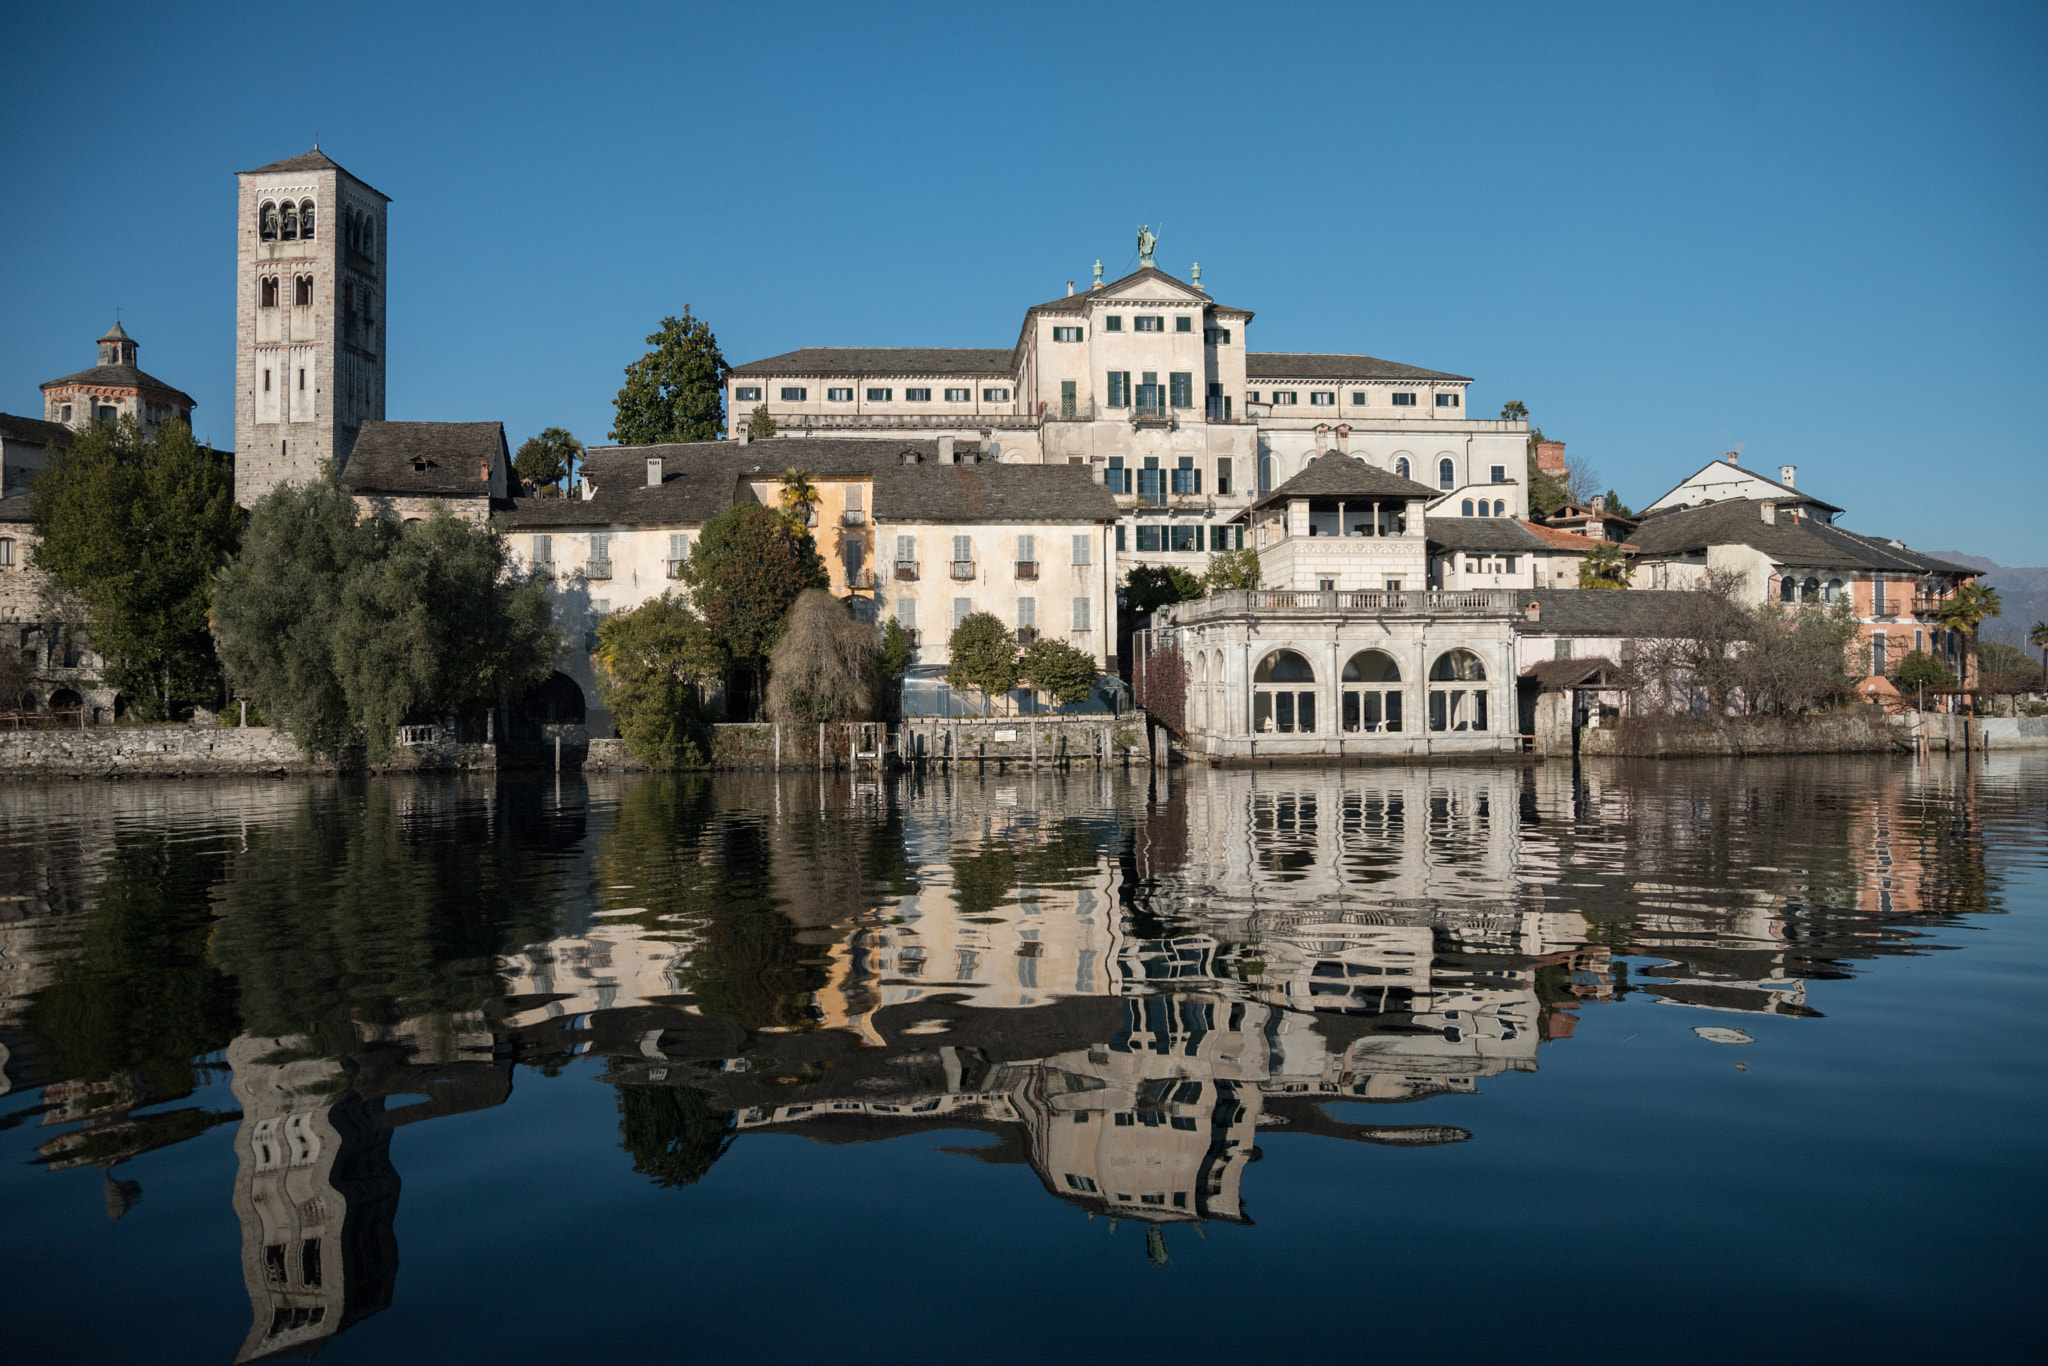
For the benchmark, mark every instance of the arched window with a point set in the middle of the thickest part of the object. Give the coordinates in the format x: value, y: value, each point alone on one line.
x: 1788, y: 589
x: 352, y: 230
x: 1810, y: 592
x: 1454, y: 705
x: 1833, y: 592
x: 267, y: 292
x: 1500, y: 507
x: 6, y: 552
x: 1401, y: 466
x: 1265, y: 474
x: 1465, y: 508
x: 1372, y: 693
x: 1283, y: 695
x: 306, y: 220
x: 369, y: 236
x: 266, y: 222
x: 302, y: 290
x: 1446, y: 474
x: 290, y: 216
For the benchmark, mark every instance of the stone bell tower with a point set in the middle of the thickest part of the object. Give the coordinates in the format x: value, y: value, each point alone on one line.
x: 309, y: 319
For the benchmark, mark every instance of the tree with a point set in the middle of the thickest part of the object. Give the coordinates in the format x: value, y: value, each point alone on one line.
x: 655, y: 662
x: 345, y: 630
x: 1581, y: 479
x: 824, y: 666
x: 1055, y: 667
x: 760, y: 423
x: 135, y: 528
x: 1514, y: 410
x: 1231, y: 569
x: 2038, y: 638
x: 1965, y: 610
x: 895, y: 648
x: 676, y: 392
x: 1921, y: 669
x: 984, y: 655
x: 746, y: 570
x: 1604, y: 566
x: 1612, y: 503
x: 548, y: 460
x: 2003, y: 668
x: 1151, y: 586
x: 799, y: 499
x: 1547, y: 493
x: 17, y: 678
x: 672, y: 1132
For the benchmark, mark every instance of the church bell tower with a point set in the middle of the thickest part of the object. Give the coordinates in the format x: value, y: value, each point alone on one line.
x: 310, y: 253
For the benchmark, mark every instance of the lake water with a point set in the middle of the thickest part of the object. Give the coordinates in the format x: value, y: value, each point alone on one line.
x: 1698, y: 1061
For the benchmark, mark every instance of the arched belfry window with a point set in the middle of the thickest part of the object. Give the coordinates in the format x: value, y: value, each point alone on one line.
x: 266, y: 222
x: 1372, y: 692
x: 290, y: 216
x: 1283, y: 695
x: 1454, y: 704
x: 306, y: 219
x: 369, y: 236
x: 267, y: 292
x: 1446, y: 474
x: 302, y: 290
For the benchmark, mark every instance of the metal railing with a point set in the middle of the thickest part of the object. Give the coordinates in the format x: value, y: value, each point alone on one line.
x: 906, y: 571
x: 1026, y: 634
x: 853, y: 517
x: 1027, y: 569
x: 860, y: 578
x: 963, y: 569
x: 1426, y: 602
x: 598, y: 569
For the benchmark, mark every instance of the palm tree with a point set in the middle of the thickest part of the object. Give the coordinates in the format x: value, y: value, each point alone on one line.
x: 1965, y: 610
x: 799, y: 498
x: 2038, y: 638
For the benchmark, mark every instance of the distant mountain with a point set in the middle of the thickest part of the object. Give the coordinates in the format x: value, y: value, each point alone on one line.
x: 2023, y: 594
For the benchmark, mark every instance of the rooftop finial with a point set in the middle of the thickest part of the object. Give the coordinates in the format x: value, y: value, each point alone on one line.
x: 1197, y: 272
x: 1098, y: 275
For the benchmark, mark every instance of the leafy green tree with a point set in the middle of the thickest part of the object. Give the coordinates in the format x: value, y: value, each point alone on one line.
x: 1151, y: 586
x: 548, y: 460
x: 135, y: 528
x: 746, y: 570
x: 676, y: 392
x: 1604, y: 566
x: 1055, y: 667
x: 1514, y: 410
x: 1231, y: 569
x: 1612, y: 503
x: 1965, y: 610
x: 1547, y: 493
x: 824, y: 666
x: 672, y: 1132
x: 2038, y: 638
x: 895, y: 648
x: 984, y: 655
x: 656, y: 661
x: 760, y: 423
x: 1921, y: 669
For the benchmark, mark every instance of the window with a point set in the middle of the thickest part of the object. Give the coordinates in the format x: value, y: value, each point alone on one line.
x: 1500, y: 474
x: 1148, y: 323
x: 370, y: 237
x: 302, y: 290
x: 543, y: 550
x: 963, y: 550
x: 1151, y: 399
x: 1404, y: 400
x: 1369, y: 705
x: 1184, y: 538
x: 1180, y: 387
x: 1084, y: 549
x: 1251, y: 396
x: 1223, y: 475
x: 1151, y: 482
x: 6, y: 552
x: 1183, y: 323
x: 306, y: 220
x: 600, y: 546
x: 1113, y: 323
x: 1216, y: 336
x: 1510, y: 564
x: 1457, y: 708
x: 959, y: 396
x: 64, y: 414
x: 906, y: 613
x: 1027, y: 549
x: 1878, y: 652
x: 1322, y: 398
x: 1068, y: 334
x: 881, y: 395
x: 1121, y: 547
x: 678, y: 551
x: 839, y: 395
x: 1265, y: 474
x: 289, y: 216
x: 302, y: 379
x: 1447, y: 475
x: 1877, y: 598
x: 266, y: 222
x: 266, y: 388
x: 906, y: 550
x: 1446, y: 400
x: 1226, y: 538
x: 1027, y: 614
x: 1148, y: 537
x: 917, y: 396
x: 1500, y: 507
x: 1788, y: 589
x: 1119, y: 388
x: 1401, y: 466
x: 1280, y: 704
x: 1116, y: 478
x: 1358, y: 397
x: 1562, y: 649
x: 1187, y: 479
x: 747, y: 394
x: 1282, y: 397
x: 995, y: 396
x: 963, y: 608
x: 1081, y: 610
x: 267, y: 292
x: 1467, y: 512
x: 794, y: 394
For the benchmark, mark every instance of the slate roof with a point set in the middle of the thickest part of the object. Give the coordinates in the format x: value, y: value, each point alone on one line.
x: 1275, y: 365
x: 121, y: 377
x: 1620, y: 613
x: 1556, y: 675
x: 14, y: 511
x: 1488, y: 535
x: 34, y: 431
x: 425, y: 458
x: 884, y: 360
x: 991, y: 493
x: 1345, y: 476
x: 1799, y: 541
x: 315, y: 160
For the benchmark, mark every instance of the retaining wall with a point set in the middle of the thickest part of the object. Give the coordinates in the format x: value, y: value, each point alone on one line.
x: 159, y: 751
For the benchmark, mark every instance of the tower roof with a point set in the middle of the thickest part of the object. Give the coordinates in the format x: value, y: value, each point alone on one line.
x: 315, y: 160
x: 115, y: 333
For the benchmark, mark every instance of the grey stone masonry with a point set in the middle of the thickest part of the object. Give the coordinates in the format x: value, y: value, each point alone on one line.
x: 161, y: 751
x: 309, y: 319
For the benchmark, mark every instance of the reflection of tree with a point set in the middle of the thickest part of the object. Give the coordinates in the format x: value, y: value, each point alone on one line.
x: 672, y: 1132
x: 986, y: 879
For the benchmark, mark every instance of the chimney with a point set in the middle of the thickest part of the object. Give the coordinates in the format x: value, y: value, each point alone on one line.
x: 1735, y: 457
x: 1070, y: 289
x: 739, y: 432
x: 654, y: 471
x: 1785, y: 473
x: 1769, y: 512
x: 1599, y: 502
x: 1532, y: 612
x: 1344, y: 439
x: 945, y: 450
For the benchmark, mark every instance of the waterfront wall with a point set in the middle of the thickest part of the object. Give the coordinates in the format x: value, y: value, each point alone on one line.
x: 167, y: 751
x: 1677, y: 737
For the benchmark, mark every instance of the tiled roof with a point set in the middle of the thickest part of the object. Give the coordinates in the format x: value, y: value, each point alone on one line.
x: 1800, y: 541
x: 315, y: 160
x: 1311, y: 365
x: 991, y: 493
x: 1619, y: 613
x: 1557, y: 538
x: 14, y: 511
x: 1491, y: 535
x: 34, y: 431
x: 1345, y: 476
x: 120, y: 377
x: 884, y: 360
x: 427, y: 458
x: 1556, y: 675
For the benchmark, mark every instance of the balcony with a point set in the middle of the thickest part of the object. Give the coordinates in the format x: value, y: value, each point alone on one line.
x: 1219, y: 409
x: 860, y: 578
x: 1477, y: 602
x: 906, y: 571
x: 598, y: 569
x: 912, y: 636
x: 853, y: 517
x: 1027, y: 569
x: 963, y: 570
x: 675, y: 568
x: 1027, y: 635
x: 1927, y: 604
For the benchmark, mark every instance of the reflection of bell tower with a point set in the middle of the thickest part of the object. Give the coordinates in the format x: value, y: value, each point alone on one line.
x: 310, y: 263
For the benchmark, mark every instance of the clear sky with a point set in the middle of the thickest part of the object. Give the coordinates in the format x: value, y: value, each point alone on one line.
x: 1814, y: 232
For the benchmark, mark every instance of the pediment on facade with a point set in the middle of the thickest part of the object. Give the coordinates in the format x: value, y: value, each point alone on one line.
x: 1149, y: 285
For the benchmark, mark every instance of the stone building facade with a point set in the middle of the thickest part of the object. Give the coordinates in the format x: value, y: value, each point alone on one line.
x: 311, y: 256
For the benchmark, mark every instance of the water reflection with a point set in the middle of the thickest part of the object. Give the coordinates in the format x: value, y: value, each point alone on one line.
x: 1121, y: 985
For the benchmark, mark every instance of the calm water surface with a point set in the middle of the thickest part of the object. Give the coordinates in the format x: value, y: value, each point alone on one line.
x: 1682, y: 1062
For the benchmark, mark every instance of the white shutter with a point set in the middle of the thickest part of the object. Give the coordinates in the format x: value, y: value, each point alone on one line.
x: 1081, y: 614
x: 1027, y: 611
x: 1027, y: 547
x: 1083, y: 549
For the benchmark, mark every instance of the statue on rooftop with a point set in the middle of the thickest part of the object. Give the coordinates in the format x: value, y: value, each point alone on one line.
x: 1147, y: 240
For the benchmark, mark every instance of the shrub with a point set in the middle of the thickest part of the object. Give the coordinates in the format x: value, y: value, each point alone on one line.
x: 984, y: 655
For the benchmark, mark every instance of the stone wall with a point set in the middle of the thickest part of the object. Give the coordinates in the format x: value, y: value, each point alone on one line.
x: 160, y: 751
x: 1686, y: 736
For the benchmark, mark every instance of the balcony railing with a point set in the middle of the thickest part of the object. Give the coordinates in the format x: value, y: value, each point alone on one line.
x: 1219, y: 409
x: 860, y: 578
x: 906, y: 571
x: 853, y: 517
x: 911, y: 636
x: 598, y: 569
x: 1478, y: 602
x: 1026, y: 634
x: 1927, y: 604
x: 963, y: 569
x: 1027, y: 569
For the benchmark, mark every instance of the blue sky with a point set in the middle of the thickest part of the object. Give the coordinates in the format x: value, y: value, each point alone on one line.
x: 1814, y: 232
